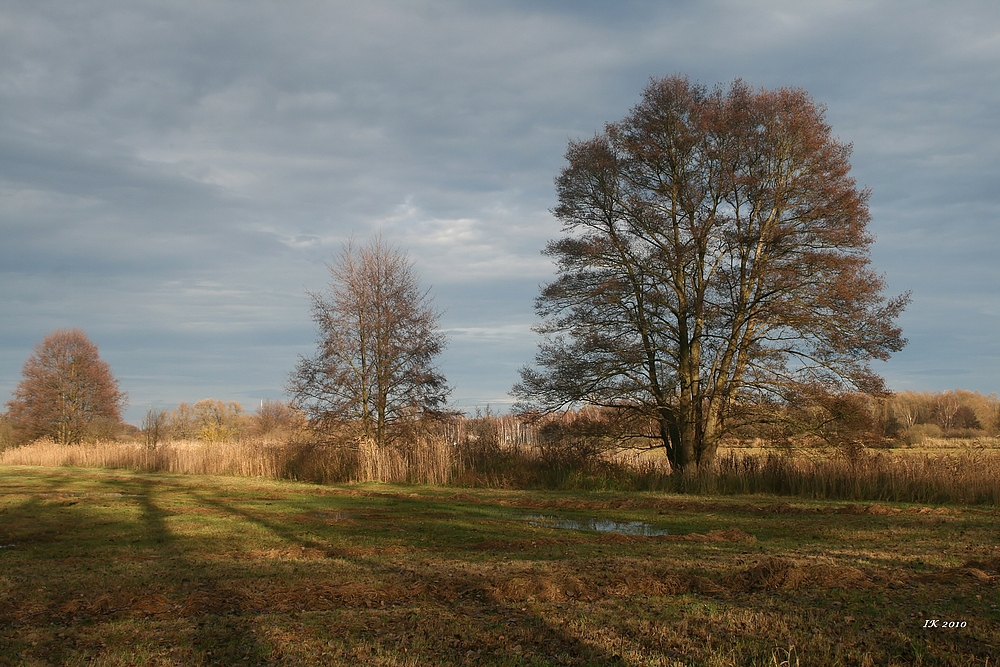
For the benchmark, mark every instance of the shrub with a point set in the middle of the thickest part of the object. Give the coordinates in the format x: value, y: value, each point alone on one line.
x: 277, y: 419
x: 919, y: 433
x: 7, y: 433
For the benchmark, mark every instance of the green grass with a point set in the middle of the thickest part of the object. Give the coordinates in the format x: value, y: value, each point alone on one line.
x: 122, y: 568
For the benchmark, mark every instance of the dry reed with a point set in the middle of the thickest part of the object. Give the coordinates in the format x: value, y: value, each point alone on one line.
x: 242, y: 458
x: 424, y: 461
x: 969, y: 477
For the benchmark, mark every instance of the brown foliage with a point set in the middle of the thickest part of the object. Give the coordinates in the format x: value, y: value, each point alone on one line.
x: 66, y: 392
x: 849, y: 421
x: 277, y: 418
x: 716, y: 256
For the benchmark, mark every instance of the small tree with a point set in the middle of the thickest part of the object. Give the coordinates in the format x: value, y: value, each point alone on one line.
x: 66, y: 389
x: 715, y: 257
x: 217, y: 420
x: 277, y: 418
x: 154, y: 427
x: 7, y: 433
x: 378, y: 340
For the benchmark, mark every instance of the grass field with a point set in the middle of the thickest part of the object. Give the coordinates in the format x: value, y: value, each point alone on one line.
x: 127, y: 568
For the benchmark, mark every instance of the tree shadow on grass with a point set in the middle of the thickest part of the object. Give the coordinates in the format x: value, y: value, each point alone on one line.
x: 223, y: 635
x: 84, y: 583
x: 362, y: 594
x: 454, y: 613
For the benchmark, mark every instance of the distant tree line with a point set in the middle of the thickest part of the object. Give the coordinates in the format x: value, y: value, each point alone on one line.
x: 213, y: 420
x: 958, y: 413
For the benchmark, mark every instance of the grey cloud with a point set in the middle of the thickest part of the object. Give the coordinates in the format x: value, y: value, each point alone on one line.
x: 173, y: 176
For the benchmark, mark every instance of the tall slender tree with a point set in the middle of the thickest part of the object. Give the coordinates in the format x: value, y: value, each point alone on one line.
x: 378, y: 341
x: 715, y: 257
x: 66, y: 388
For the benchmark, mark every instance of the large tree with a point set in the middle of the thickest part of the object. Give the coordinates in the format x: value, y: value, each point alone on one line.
x: 715, y: 258
x: 378, y: 341
x: 65, y: 391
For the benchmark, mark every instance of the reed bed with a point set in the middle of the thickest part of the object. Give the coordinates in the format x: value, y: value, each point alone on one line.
x: 968, y: 478
x: 964, y: 477
x: 423, y: 461
x: 241, y: 458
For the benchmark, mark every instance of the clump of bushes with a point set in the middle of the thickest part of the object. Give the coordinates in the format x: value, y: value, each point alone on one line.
x: 919, y: 433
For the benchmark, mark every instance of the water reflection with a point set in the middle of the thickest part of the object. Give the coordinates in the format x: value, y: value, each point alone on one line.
x: 599, y: 525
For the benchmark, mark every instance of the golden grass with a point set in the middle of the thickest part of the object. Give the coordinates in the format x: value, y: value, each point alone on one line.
x: 245, y: 458
x: 423, y: 461
x: 935, y: 474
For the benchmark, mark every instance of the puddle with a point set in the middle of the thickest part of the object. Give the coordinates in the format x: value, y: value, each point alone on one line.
x: 600, y: 525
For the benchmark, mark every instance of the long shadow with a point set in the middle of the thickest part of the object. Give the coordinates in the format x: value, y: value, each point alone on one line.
x: 217, y: 616
x: 223, y: 635
x: 33, y: 535
x: 75, y: 568
x: 549, y: 639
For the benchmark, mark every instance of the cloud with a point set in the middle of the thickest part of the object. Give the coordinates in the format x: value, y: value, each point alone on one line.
x: 180, y: 172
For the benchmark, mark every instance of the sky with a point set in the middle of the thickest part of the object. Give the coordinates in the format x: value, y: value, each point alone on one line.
x: 175, y: 176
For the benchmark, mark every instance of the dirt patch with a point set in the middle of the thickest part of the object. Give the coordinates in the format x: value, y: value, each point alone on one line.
x: 989, y: 565
x: 599, y: 581
x: 350, y: 551
x: 722, y: 535
x: 781, y: 573
x: 661, y: 585
x: 853, y: 509
x: 329, y: 596
x: 288, y: 553
x: 958, y: 575
x: 874, y: 510
x: 100, y: 606
x: 329, y: 517
x: 151, y: 604
x: 524, y: 545
x: 540, y: 587
x: 104, y: 605
x: 933, y: 510
x: 781, y: 508
x: 199, y: 603
x: 726, y: 535
x: 311, y: 553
